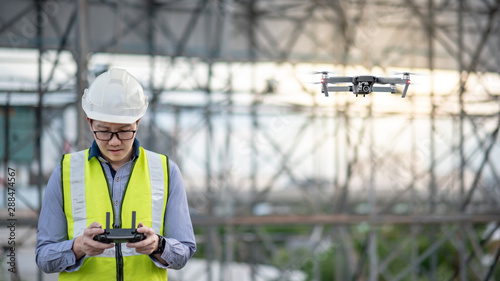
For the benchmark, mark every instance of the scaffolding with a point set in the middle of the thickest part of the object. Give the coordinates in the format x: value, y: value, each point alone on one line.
x: 275, y: 173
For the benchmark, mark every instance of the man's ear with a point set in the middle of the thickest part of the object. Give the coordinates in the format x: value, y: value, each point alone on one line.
x: 90, y: 123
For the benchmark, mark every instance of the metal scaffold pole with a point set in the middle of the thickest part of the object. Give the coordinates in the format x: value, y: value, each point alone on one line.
x: 39, y: 111
x: 82, y: 51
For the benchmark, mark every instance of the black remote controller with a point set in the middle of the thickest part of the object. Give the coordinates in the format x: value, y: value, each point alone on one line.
x: 120, y: 235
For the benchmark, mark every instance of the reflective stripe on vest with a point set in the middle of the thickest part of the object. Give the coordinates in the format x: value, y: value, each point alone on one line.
x: 87, y: 198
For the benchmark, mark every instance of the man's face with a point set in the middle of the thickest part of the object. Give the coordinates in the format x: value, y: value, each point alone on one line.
x: 117, y: 150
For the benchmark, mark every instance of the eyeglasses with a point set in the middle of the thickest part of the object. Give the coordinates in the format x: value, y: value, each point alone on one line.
x: 121, y: 135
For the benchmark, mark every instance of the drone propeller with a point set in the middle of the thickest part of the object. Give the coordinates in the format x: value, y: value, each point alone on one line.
x: 404, y: 72
x: 313, y: 72
x: 418, y: 75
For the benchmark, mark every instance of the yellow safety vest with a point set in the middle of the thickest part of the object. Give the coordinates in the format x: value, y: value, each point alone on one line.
x: 87, y: 198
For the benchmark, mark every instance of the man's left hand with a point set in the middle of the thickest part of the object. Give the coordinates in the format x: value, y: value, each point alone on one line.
x: 148, y: 245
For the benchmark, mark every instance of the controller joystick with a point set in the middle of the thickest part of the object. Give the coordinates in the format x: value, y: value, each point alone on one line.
x: 119, y: 235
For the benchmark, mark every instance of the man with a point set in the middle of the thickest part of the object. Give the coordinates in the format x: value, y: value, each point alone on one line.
x: 118, y: 176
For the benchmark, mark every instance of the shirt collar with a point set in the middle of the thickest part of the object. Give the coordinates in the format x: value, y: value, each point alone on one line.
x: 94, y: 151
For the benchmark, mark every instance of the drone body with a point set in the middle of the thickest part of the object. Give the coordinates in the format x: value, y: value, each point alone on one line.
x: 363, y: 85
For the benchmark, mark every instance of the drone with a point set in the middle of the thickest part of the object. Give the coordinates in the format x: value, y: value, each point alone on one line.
x: 363, y: 85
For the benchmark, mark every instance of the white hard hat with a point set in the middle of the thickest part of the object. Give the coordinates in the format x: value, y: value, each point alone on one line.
x: 116, y: 97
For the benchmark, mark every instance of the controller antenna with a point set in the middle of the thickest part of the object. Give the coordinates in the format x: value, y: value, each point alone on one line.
x: 107, y: 220
x: 133, y: 219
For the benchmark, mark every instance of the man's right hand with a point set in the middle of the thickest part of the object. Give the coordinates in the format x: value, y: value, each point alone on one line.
x: 86, y: 245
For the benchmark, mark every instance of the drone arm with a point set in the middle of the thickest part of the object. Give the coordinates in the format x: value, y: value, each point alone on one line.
x: 340, y: 88
x: 338, y: 79
x: 390, y: 80
x: 382, y: 89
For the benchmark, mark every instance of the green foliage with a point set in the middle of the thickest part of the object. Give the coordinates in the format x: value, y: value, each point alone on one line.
x: 432, y: 252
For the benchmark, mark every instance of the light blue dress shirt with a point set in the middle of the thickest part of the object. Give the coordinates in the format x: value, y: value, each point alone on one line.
x: 54, y: 251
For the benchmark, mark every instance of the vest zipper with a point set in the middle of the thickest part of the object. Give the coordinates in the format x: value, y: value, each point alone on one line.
x: 125, y: 190
x: 118, y: 248
x: 110, y: 196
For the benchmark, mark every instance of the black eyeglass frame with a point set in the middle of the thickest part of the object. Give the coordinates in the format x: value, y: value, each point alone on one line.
x: 114, y: 133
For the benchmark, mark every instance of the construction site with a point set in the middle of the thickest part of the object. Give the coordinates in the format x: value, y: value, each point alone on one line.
x: 283, y: 182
